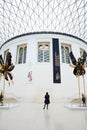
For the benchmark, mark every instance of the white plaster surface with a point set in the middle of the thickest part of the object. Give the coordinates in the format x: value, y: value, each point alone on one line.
x: 32, y: 116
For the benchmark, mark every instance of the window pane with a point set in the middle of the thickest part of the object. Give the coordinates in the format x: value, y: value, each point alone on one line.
x: 40, y: 56
x: 62, y: 51
x: 67, y: 55
x: 25, y: 50
x: 81, y: 52
x: 46, y: 56
x: 5, y: 53
x: 20, y: 55
x: 43, y: 52
x: 65, y: 49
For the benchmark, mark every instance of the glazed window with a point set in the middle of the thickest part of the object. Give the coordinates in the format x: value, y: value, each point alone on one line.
x: 65, y: 49
x: 81, y: 52
x: 21, y: 54
x: 5, y: 53
x: 43, y: 52
x: 62, y: 51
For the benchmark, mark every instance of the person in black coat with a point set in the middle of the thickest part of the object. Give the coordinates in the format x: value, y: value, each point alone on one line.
x: 47, y: 100
x: 84, y: 100
x: 1, y: 99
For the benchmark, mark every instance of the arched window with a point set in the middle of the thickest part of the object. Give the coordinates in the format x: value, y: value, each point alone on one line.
x: 21, y: 54
x: 65, y: 49
x: 81, y: 52
x: 5, y: 53
x: 43, y: 52
x: 25, y: 51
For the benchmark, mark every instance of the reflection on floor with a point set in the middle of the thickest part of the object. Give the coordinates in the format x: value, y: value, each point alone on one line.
x: 31, y: 116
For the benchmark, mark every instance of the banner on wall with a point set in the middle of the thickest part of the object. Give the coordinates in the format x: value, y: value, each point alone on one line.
x: 56, y: 61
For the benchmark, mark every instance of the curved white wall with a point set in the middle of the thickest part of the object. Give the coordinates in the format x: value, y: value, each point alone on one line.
x: 43, y: 72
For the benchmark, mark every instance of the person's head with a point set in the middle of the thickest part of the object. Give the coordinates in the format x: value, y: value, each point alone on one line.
x: 47, y: 93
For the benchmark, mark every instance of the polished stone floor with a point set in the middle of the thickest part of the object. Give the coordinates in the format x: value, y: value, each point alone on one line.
x: 31, y: 116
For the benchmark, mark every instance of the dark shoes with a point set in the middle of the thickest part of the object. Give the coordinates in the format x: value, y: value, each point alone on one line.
x: 44, y: 108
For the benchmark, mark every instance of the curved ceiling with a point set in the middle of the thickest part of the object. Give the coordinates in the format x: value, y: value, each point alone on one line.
x: 23, y: 16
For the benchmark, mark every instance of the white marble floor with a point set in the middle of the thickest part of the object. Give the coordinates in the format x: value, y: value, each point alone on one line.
x: 31, y: 116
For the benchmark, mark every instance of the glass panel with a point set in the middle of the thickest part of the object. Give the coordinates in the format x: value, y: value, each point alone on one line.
x: 43, y: 52
x: 81, y: 52
x: 40, y: 56
x: 5, y: 53
x: 46, y: 56
x: 25, y: 51
x: 20, y: 55
x: 62, y: 51
x: 67, y: 55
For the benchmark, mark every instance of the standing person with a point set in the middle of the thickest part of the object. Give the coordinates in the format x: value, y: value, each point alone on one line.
x: 1, y: 99
x: 47, y: 100
x: 83, y: 100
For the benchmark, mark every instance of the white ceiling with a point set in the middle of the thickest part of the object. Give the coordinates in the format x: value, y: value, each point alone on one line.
x: 23, y: 16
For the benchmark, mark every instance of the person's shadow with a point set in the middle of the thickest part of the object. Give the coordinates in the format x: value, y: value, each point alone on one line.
x: 47, y: 118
